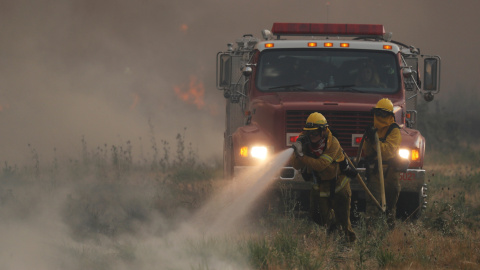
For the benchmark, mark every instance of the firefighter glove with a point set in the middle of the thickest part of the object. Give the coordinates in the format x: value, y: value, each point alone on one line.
x: 347, y: 169
x: 370, y: 134
x: 297, y: 148
x: 303, y: 139
x: 351, y: 172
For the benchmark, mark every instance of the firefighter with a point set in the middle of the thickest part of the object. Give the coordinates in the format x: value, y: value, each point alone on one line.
x: 368, y: 76
x: 320, y: 158
x: 390, y: 138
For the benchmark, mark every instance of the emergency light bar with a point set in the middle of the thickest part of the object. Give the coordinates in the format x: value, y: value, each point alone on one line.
x: 325, y: 29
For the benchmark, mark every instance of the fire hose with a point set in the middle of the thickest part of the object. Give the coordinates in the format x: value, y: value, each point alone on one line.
x: 382, y: 206
x: 380, y: 173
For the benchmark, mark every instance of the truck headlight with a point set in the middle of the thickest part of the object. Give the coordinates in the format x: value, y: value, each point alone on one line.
x: 404, y: 153
x: 412, y: 154
x: 258, y: 152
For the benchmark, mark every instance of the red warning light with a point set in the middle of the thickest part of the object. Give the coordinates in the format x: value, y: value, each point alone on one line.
x: 328, y: 29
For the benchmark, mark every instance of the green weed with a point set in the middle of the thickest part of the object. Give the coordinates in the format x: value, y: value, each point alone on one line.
x: 113, y: 194
x: 258, y: 253
x: 385, y: 257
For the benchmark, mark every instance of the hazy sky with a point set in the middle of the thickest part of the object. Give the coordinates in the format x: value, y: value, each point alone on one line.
x: 105, y: 69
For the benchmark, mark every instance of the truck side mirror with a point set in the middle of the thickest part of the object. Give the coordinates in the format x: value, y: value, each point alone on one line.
x: 247, y: 71
x: 431, y: 74
x: 407, y: 72
x: 224, y: 71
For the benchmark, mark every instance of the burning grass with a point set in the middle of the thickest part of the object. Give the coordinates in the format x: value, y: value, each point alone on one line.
x: 105, y: 210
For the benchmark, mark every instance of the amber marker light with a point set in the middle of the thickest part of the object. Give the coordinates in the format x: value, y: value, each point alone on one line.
x: 387, y: 47
x: 327, y: 44
x: 244, y: 151
x: 312, y: 44
x: 269, y: 45
x: 344, y: 45
x: 415, y: 154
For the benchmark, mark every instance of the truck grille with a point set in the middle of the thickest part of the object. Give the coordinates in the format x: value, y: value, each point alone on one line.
x: 343, y: 124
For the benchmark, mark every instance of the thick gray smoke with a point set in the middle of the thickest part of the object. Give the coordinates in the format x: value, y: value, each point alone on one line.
x: 108, y: 71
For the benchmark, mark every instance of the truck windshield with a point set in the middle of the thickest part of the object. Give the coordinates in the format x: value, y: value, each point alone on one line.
x: 327, y: 70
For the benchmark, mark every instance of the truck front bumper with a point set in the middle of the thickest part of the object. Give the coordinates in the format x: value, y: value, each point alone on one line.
x: 411, y: 181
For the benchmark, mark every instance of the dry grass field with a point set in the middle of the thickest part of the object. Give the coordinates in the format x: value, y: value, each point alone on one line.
x: 105, y: 210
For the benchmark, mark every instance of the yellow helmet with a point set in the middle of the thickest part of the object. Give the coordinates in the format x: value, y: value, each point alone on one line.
x: 315, y: 121
x: 384, y: 104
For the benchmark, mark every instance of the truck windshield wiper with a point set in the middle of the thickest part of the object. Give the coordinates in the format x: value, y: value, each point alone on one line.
x: 346, y: 88
x: 290, y: 87
x: 286, y: 87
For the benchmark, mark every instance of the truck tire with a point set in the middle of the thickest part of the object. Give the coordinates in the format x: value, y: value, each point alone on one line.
x: 409, y: 205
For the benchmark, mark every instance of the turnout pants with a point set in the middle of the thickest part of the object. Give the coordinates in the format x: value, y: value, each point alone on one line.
x: 392, y: 192
x: 332, y: 212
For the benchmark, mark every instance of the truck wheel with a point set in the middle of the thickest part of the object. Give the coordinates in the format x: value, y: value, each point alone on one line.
x: 409, y: 205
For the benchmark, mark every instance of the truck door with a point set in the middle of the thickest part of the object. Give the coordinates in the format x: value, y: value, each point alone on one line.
x: 411, y: 93
x: 231, y: 81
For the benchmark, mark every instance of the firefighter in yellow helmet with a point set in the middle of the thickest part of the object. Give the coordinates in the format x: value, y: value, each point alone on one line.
x: 319, y: 156
x: 390, y: 138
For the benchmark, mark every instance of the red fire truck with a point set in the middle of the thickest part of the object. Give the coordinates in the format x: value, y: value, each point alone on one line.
x: 272, y: 85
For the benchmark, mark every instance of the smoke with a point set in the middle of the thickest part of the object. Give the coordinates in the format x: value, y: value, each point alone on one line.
x: 93, y: 221
x: 227, y: 211
x: 89, y: 223
x: 103, y: 71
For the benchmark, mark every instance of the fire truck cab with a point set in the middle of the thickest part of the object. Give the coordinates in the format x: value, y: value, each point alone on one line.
x: 340, y: 70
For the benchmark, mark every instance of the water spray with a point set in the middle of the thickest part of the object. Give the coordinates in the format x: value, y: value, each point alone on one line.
x: 224, y: 213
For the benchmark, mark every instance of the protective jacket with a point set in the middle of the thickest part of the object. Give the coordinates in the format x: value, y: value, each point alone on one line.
x: 390, y: 139
x: 330, y: 197
x: 389, y: 145
x: 325, y: 167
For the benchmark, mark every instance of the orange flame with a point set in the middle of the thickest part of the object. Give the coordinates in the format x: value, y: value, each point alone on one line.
x: 4, y: 107
x: 194, y: 94
x: 184, y: 27
x: 136, y: 99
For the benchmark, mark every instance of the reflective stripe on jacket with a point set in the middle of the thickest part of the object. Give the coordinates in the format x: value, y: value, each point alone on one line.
x: 326, y: 166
